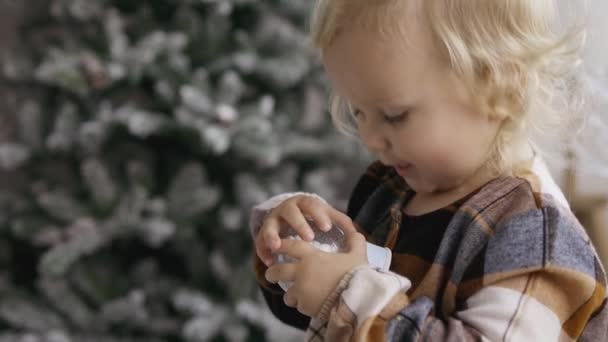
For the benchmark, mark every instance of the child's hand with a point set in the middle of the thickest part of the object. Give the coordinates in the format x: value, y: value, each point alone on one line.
x: 317, y: 273
x: 292, y: 212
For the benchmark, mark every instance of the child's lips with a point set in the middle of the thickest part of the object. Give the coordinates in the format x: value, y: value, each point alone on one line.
x: 402, y: 168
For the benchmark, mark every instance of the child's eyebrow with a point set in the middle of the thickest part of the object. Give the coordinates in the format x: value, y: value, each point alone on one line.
x: 396, y: 108
x: 392, y: 104
x: 382, y: 105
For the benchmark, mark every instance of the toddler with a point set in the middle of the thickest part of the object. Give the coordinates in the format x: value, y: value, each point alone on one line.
x: 484, y: 247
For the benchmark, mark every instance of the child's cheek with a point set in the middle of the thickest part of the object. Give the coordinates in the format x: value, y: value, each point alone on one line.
x: 444, y: 168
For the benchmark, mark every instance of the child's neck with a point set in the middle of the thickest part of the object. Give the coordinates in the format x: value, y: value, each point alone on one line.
x: 424, y: 203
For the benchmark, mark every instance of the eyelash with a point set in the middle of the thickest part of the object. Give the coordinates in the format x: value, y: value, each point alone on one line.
x: 390, y: 119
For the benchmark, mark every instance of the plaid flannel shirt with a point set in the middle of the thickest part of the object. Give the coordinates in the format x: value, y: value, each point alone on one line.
x: 513, y: 264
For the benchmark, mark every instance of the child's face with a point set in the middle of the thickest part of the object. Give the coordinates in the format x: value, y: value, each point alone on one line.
x: 441, y: 137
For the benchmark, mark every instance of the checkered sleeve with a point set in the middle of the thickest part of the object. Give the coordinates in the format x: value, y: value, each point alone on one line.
x: 529, y: 307
x: 536, y: 278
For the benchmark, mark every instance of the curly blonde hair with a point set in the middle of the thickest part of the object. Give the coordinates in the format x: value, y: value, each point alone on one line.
x: 507, y: 53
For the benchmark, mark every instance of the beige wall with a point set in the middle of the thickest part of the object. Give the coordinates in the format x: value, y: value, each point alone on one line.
x: 597, y: 53
x: 590, y: 182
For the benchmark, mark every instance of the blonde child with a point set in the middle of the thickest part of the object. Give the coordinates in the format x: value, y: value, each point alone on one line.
x: 443, y: 93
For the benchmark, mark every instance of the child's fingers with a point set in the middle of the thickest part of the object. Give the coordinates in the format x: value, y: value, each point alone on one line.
x: 322, y: 220
x: 295, y: 248
x: 342, y: 220
x: 270, y: 232
x: 289, y: 299
x: 262, y: 251
x: 355, y: 241
x: 281, y: 272
x: 317, y: 211
x: 324, y: 214
x: 294, y: 218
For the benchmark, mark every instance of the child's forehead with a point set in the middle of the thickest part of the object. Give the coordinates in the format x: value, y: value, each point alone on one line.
x: 383, y: 69
x: 385, y: 87
x: 363, y: 56
x: 380, y: 74
x: 388, y: 13
x: 406, y: 35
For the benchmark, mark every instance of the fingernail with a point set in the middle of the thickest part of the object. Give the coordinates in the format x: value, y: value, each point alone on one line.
x: 326, y: 226
x: 310, y: 236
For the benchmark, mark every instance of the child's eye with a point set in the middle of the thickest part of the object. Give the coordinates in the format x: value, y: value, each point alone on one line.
x: 390, y: 119
x: 396, y: 118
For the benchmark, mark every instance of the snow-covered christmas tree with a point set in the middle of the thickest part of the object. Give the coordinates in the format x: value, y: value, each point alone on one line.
x: 135, y: 139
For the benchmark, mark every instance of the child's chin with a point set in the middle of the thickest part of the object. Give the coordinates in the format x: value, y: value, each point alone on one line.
x: 421, y: 187
x: 414, y: 185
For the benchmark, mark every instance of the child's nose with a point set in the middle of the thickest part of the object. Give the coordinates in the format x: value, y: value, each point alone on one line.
x: 375, y: 139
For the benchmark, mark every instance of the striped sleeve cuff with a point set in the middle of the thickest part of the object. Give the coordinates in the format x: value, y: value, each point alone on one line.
x: 368, y: 292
